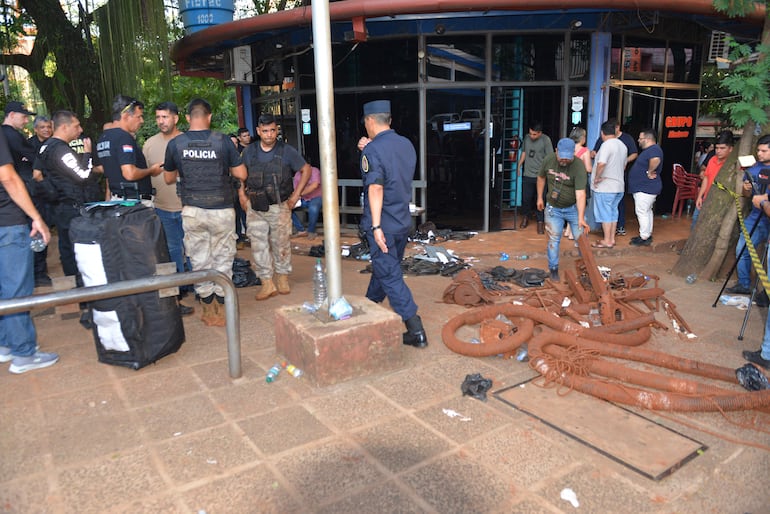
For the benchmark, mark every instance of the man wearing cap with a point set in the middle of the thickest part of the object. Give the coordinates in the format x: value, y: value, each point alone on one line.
x: 268, y: 198
x: 18, y: 338
x: 566, y: 199
x: 388, y: 161
x: 23, y: 153
x: 125, y: 167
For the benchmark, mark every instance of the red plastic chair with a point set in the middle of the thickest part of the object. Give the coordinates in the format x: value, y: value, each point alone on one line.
x: 686, y: 189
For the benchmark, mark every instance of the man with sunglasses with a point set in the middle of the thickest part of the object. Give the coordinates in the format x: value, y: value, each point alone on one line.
x: 125, y: 167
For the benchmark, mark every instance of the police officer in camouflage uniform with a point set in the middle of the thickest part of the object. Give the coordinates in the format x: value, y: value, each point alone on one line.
x: 204, y: 160
x: 268, y: 199
x: 388, y: 161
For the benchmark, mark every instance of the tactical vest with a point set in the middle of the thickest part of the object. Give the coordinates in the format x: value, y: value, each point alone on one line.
x: 266, y: 176
x: 205, y: 175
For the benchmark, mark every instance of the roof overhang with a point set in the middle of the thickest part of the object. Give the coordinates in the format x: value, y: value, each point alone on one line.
x: 202, y: 52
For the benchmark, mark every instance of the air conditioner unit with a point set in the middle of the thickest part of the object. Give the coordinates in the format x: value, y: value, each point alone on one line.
x: 719, y: 47
x: 238, y: 67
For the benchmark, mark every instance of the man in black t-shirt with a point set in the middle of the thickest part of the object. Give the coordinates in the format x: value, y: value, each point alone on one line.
x: 205, y: 162
x: 124, y: 165
x: 23, y: 154
x: 18, y: 338
x: 70, y: 174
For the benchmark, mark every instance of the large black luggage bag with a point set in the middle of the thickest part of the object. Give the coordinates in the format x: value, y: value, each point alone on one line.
x: 115, y: 242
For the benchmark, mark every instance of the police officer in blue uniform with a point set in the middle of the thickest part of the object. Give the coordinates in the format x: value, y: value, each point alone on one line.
x: 387, y: 166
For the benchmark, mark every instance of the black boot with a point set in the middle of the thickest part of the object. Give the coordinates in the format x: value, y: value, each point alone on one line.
x: 415, y: 333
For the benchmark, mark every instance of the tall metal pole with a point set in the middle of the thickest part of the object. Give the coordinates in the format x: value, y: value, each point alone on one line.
x: 327, y: 142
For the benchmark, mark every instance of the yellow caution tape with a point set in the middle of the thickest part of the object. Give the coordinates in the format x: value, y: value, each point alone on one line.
x: 755, y: 260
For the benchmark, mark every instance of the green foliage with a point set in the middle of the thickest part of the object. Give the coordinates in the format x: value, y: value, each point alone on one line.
x: 133, y: 44
x: 736, y: 8
x: 13, y: 23
x: 183, y: 89
x: 713, y: 92
x: 749, y: 78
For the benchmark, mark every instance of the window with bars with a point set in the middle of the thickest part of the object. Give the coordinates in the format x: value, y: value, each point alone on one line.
x: 719, y: 47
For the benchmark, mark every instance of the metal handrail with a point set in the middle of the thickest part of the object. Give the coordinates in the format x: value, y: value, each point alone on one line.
x: 143, y: 285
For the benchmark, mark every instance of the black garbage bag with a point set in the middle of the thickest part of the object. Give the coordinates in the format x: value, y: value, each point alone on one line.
x: 243, y: 275
x: 317, y: 251
x: 751, y: 378
x: 477, y: 386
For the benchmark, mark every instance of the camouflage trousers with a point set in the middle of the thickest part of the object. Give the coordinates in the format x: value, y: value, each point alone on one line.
x: 209, y: 238
x: 270, y: 235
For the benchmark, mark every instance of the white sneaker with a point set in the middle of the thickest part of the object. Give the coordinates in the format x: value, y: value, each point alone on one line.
x: 35, y: 361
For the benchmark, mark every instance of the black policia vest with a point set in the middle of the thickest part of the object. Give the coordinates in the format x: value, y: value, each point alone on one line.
x: 267, y: 176
x: 205, y: 176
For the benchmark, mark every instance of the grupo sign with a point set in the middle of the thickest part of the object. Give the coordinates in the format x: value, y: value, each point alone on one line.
x: 679, y: 127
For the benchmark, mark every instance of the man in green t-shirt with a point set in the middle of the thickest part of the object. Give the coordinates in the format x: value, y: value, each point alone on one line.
x: 535, y: 147
x: 566, y: 199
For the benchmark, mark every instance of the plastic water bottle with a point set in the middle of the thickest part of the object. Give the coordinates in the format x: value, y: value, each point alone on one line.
x: 319, y: 284
x: 272, y: 373
x: 691, y: 278
x: 594, y: 317
x: 294, y: 371
x: 522, y: 354
x: 37, y: 243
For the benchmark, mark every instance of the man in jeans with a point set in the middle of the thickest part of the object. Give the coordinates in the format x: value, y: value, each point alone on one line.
x: 756, y: 222
x: 18, y: 338
x: 168, y: 205
x: 566, y: 200
x: 311, y: 200
x: 761, y: 357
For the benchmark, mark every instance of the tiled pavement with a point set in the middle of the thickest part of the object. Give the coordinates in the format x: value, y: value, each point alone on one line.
x: 181, y: 436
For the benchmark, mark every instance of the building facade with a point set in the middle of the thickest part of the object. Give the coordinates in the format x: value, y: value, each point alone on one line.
x: 465, y: 86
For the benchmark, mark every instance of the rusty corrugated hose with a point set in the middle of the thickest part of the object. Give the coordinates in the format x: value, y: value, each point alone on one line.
x: 550, y: 350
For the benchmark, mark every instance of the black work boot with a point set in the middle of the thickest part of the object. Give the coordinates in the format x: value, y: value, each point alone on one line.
x: 415, y: 333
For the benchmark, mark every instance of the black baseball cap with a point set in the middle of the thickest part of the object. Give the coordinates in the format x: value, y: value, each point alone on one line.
x: 17, y: 107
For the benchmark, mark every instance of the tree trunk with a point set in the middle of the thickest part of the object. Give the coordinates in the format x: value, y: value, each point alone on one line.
x: 708, y: 244
x: 77, y: 84
x: 710, y: 239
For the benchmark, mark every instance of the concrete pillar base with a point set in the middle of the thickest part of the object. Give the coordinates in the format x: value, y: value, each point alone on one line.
x: 329, y: 352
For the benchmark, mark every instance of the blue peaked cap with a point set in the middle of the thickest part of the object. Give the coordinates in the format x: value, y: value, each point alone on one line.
x: 376, y: 107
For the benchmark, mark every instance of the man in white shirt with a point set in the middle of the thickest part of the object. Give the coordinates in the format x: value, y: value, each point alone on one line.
x: 607, y: 183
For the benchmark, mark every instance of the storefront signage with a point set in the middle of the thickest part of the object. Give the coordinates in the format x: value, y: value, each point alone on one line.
x: 679, y: 127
